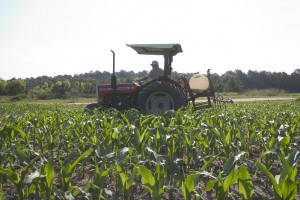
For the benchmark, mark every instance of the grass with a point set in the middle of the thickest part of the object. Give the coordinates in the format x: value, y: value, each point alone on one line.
x: 265, y: 92
x: 81, y: 100
x: 259, y: 93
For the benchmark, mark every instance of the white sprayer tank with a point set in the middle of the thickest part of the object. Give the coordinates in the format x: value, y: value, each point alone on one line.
x: 199, y: 82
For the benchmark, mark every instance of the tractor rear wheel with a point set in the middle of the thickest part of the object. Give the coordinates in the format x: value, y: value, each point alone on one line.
x: 159, y: 97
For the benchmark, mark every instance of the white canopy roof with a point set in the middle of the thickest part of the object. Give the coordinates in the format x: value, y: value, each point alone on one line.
x: 156, y: 49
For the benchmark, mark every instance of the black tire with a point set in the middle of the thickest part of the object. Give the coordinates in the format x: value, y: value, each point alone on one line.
x: 159, y: 97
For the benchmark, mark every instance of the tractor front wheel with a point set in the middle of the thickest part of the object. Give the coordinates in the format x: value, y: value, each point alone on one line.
x: 159, y: 97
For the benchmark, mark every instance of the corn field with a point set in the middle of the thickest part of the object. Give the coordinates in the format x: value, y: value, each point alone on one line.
x: 236, y: 151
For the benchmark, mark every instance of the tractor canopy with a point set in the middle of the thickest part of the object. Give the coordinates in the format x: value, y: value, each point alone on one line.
x: 167, y: 50
x: 156, y: 49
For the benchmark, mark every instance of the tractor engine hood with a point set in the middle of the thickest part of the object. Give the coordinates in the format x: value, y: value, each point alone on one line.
x: 156, y: 49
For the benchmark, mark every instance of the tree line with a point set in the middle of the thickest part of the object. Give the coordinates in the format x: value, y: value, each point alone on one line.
x: 238, y: 81
x: 64, y: 86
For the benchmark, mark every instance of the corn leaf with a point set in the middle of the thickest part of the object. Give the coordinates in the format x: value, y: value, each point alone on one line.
x: 245, y: 184
x: 11, y: 175
x: 49, y: 170
x: 82, y: 156
x: 230, y: 163
x: 230, y: 180
x: 263, y: 168
x: 210, y: 185
x: 189, y: 183
x: 147, y: 177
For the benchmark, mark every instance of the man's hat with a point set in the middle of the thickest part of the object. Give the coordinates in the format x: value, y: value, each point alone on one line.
x: 154, y: 62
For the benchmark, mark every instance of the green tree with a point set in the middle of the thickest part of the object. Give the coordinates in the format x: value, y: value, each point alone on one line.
x: 2, y: 86
x: 217, y: 83
x: 242, y: 77
x: 233, y: 85
x: 61, y: 88
x: 15, y: 87
x: 296, y: 71
x: 231, y: 82
x: 294, y: 81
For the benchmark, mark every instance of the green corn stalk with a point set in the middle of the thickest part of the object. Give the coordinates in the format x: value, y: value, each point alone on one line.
x: 8, y: 134
x: 171, y: 146
x: 100, y: 174
x: 141, y: 136
x: 232, y: 174
x: 99, y: 179
x: 283, y: 136
x: 34, y: 181
x: 188, y: 150
x: 68, y: 169
x: 154, y: 183
x: 245, y: 184
x: 188, y: 187
x: 286, y: 184
x: 125, y: 180
x: 204, y: 141
x: 223, y: 139
x: 19, y: 181
x: 2, y: 194
x: 15, y: 179
x: 239, y: 175
x: 48, y: 170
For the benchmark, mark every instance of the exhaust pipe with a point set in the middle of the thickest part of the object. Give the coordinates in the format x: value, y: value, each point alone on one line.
x: 113, y: 76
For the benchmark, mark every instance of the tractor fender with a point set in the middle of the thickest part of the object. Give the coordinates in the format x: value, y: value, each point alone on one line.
x: 175, y: 83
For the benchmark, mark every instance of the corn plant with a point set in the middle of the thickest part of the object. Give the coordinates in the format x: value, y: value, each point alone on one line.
x: 231, y: 174
x: 68, y: 169
x: 19, y: 180
x: 61, y: 152
x: 285, y: 184
x: 126, y: 180
x: 99, y: 179
x: 154, y: 182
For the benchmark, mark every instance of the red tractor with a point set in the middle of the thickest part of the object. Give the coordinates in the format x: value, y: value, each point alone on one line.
x: 157, y: 95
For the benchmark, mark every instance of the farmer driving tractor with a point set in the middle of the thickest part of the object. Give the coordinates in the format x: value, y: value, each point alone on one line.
x: 161, y: 93
x: 155, y: 73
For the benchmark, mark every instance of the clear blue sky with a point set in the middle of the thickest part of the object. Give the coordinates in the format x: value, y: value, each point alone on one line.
x: 57, y: 37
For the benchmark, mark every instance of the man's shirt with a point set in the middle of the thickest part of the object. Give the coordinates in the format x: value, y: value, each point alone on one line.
x: 155, y: 73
